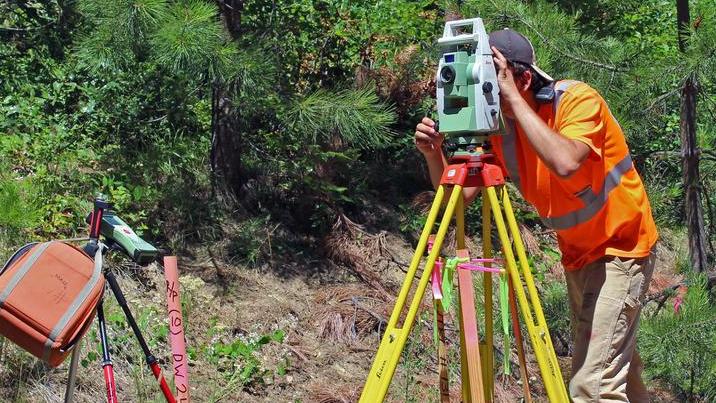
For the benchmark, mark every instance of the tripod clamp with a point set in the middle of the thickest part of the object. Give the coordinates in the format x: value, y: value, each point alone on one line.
x: 95, y: 222
x: 473, y: 169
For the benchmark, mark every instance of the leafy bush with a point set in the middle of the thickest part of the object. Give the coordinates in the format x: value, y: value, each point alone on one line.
x: 19, y: 213
x: 238, y: 360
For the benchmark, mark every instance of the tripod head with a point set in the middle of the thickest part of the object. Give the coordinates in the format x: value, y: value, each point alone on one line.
x: 118, y: 235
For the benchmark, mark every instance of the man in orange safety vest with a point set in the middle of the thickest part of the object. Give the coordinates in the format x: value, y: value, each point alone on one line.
x: 568, y: 157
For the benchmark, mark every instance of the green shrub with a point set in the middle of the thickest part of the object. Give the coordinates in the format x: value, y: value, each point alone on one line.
x: 555, y: 303
x: 250, y: 241
x: 19, y: 213
x: 679, y: 347
x: 239, y: 359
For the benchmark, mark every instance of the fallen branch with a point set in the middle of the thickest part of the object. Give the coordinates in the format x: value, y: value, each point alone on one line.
x: 28, y: 29
x: 666, y: 293
x: 382, y: 320
x: 297, y: 352
x: 661, y: 98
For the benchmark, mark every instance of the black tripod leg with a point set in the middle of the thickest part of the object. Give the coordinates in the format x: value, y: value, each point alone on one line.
x: 107, y: 366
x: 151, y: 360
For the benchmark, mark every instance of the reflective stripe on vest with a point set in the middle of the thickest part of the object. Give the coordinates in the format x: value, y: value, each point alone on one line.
x: 559, y: 89
x: 593, y: 202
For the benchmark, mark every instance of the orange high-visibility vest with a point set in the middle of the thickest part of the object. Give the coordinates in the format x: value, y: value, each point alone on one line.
x: 602, y: 209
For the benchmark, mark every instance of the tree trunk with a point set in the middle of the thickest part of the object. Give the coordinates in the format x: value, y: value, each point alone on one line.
x: 690, y: 154
x: 226, y: 137
x: 682, y: 19
x: 225, y: 144
x: 691, y: 177
x: 231, y: 15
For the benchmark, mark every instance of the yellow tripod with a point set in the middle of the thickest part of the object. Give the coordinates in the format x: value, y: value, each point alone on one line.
x: 474, y: 169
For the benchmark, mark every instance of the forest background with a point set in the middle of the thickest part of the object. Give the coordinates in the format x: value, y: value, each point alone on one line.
x: 268, y: 143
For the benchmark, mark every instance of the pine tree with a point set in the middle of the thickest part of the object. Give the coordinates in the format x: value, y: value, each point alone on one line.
x: 690, y: 152
x: 679, y: 347
x: 204, y: 43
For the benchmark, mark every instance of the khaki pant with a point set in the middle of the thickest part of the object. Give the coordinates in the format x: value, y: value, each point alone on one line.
x: 606, y: 297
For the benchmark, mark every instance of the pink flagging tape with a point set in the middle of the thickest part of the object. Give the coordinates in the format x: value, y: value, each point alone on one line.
x: 176, y: 329
x: 474, y: 267
x: 436, y: 280
x: 478, y: 267
x: 486, y: 260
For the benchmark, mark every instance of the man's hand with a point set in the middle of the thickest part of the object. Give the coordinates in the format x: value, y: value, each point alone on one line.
x: 427, y: 139
x: 505, y: 79
x: 428, y: 142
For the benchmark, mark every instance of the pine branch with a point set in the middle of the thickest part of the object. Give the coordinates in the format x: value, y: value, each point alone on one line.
x: 661, y: 154
x: 570, y: 56
x: 357, y: 116
x: 710, y: 212
x: 557, y: 49
x: 661, y: 98
x: 681, y: 81
x: 708, y: 155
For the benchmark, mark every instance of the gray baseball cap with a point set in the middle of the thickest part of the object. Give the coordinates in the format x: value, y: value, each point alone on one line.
x: 517, y: 48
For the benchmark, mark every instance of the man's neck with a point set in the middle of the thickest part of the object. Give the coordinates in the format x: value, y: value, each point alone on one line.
x: 531, y: 101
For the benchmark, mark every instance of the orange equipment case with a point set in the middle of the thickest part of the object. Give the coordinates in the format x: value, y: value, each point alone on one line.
x: 48, y: 295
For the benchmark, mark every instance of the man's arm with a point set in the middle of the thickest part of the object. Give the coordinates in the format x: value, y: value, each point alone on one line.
x: 436, y: 164
x: 562, y: 155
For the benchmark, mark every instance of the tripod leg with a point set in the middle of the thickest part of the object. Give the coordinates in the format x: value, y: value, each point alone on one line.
x: 107, y: 366
x: 489, y: 352
x: 70, y: 391
x: 538, y: 332
x: 151, y: 360
x: 520, y: 344
x: 394, y: 338
x: 550, y: 356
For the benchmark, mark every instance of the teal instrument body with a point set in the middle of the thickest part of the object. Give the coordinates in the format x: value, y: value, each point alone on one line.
x: 467, y: 92
x: 116, y: 229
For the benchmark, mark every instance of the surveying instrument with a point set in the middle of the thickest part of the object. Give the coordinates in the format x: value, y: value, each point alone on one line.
x: 468, y: 110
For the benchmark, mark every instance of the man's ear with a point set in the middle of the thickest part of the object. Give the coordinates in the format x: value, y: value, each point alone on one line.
x: 526, y: 80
